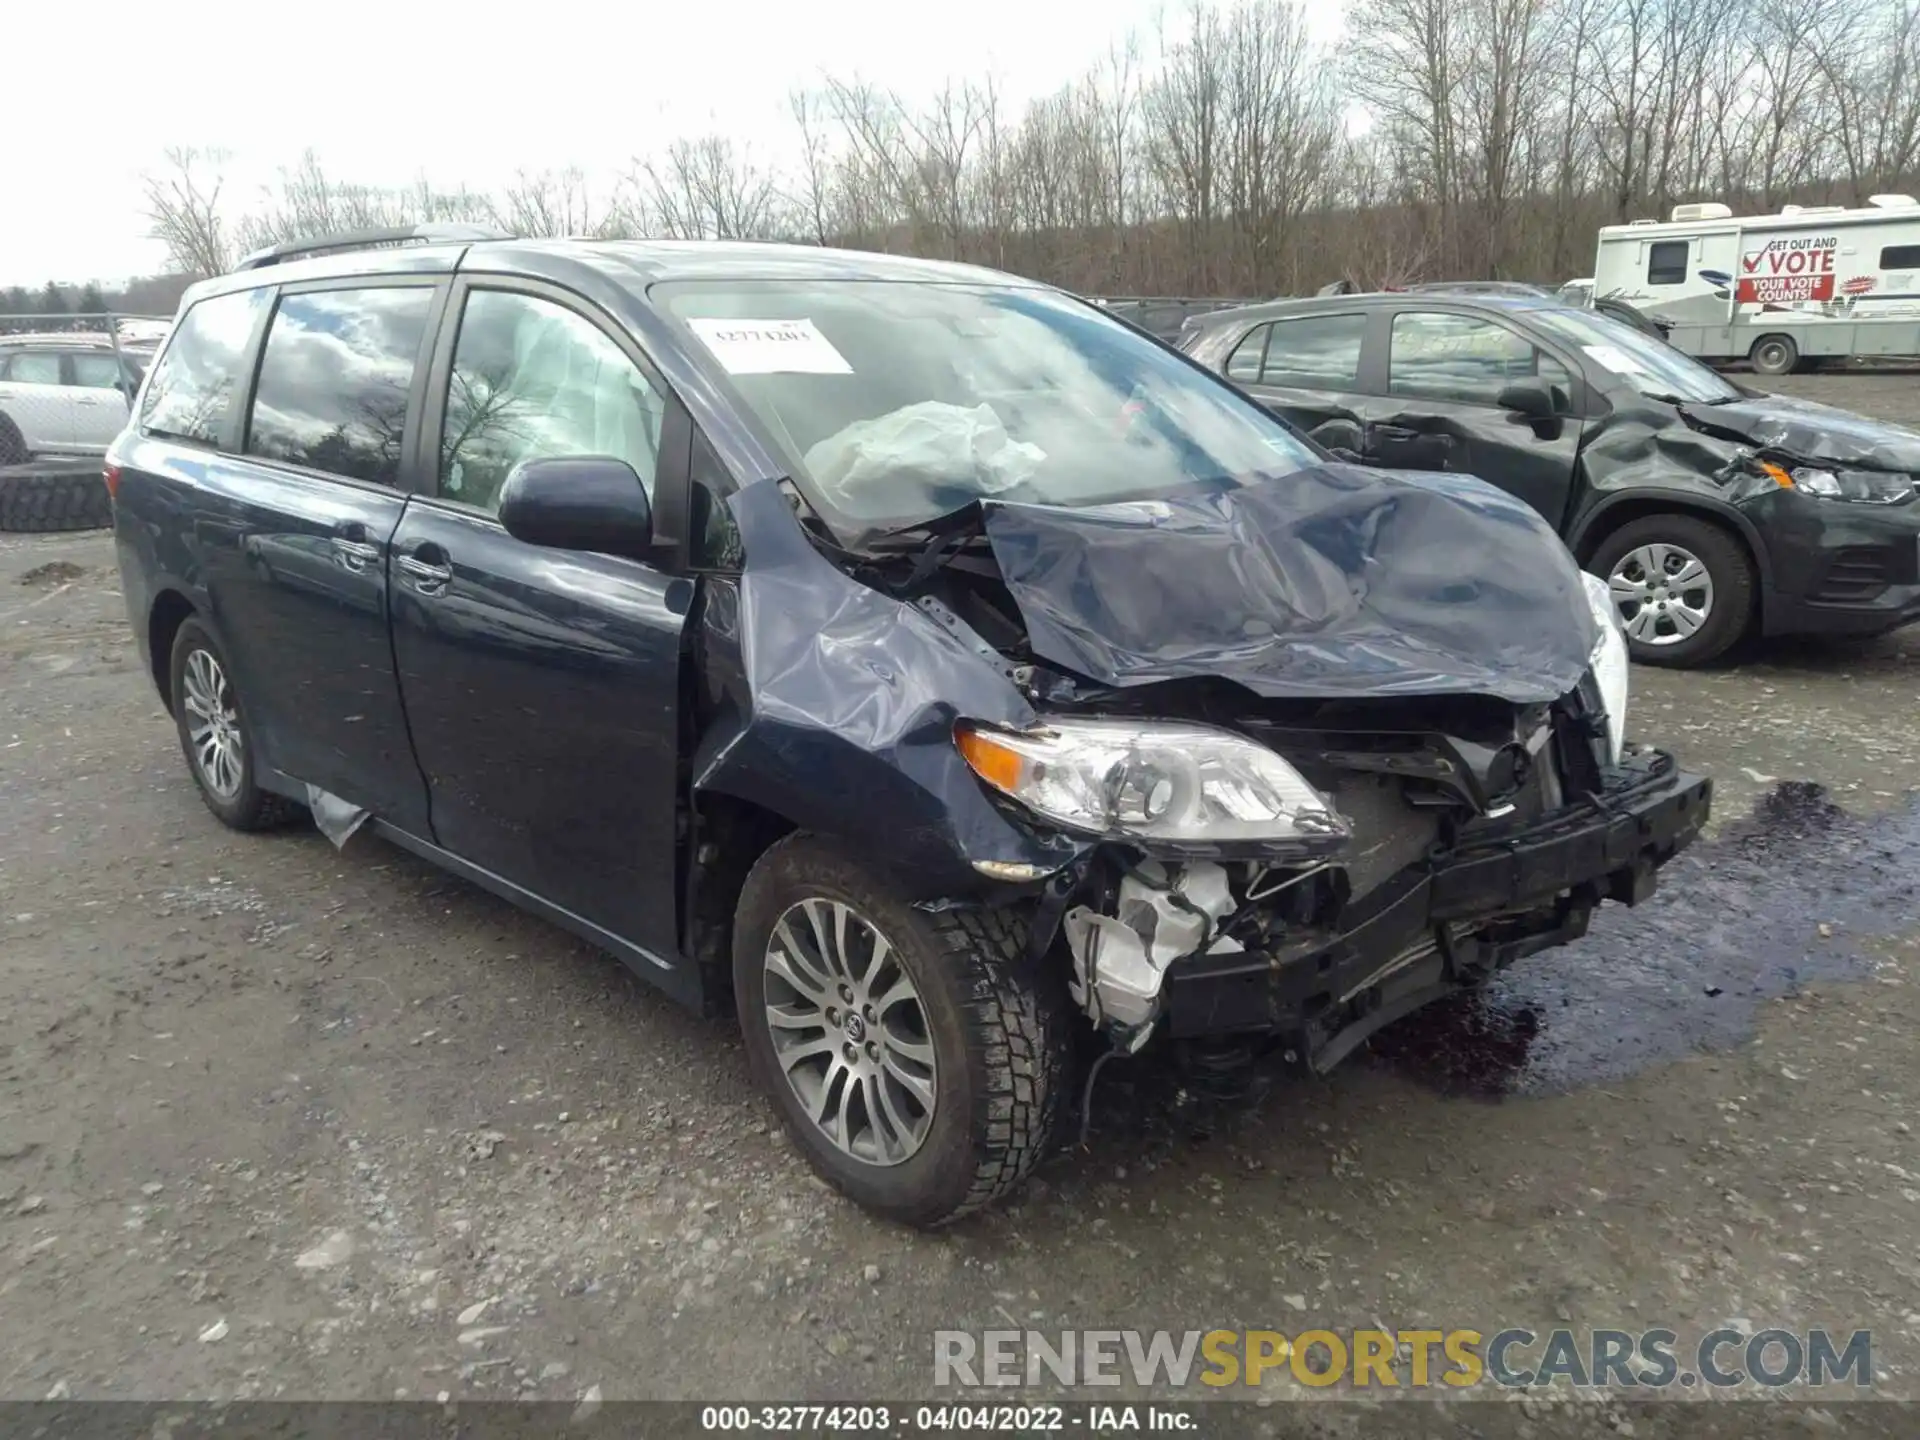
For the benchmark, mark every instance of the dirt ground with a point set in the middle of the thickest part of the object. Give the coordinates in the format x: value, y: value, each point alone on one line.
x: 278, y: 1120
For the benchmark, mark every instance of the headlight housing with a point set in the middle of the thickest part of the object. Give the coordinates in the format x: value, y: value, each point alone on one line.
x: 1609, y: 662
x: 1151, y: 780
x: 1865, y: 487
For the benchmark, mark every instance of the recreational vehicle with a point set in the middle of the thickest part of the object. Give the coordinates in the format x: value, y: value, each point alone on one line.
x: 1783, y: 291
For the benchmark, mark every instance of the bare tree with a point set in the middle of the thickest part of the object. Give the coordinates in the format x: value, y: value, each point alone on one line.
x: 183, y: 209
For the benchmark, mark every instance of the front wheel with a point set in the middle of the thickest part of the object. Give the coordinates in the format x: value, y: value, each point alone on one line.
x: 1682, y: 586
x: 917, y: 1059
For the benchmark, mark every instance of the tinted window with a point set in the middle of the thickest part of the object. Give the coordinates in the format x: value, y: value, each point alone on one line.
x: 1244, y: 364
x: 1316, y: 352
x: 1462, y: 357
x: 530, y: 379
x: 35, y: 370
x: 1667, y: 262
x: 96, y: 372
x: 199, y: 377
x: 1900, y: 257
x: 334, y: 378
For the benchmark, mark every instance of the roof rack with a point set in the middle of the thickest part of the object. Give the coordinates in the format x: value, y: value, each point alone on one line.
x: 369, y: 240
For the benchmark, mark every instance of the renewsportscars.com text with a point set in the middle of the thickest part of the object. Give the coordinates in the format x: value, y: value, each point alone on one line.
x: 1415, y: 1358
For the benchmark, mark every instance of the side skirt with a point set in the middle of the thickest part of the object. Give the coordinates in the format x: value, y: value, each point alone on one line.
x: 678, y: 977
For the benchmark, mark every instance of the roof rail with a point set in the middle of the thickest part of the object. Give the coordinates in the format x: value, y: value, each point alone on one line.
x: 368, y: 240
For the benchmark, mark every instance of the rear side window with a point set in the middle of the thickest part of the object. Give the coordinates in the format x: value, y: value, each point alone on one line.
x: 96, y: 372
x: 199, y: 378
x: 1446, y: 356
x: 1244, y: 363
x: 334, y: 380
x: 1667, y: 262
x: 1315, y: 352
x: 34, y: 370
x: 1900, y: 257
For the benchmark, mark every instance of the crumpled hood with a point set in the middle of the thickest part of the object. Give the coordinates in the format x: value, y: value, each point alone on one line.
x: 1808, y: 430
x: 1336, y: 581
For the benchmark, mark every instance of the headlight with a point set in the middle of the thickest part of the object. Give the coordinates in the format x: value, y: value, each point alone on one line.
x: 1609, y: 662
x: 1868, y: 487
x: 1149, y: 780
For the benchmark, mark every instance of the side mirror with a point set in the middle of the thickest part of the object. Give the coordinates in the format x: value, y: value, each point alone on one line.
x: 578, y: 502
x: 1532, y: 401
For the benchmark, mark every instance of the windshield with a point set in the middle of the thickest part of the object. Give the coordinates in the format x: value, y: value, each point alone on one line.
x: 1650, y: 366
x: 899, y: 402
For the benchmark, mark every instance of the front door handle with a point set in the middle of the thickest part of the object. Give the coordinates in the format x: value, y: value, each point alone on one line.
x: 428, y: 576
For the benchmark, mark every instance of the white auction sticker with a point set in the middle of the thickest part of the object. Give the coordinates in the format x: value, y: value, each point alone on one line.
x: 1615, y: 359
x: 771, y: 347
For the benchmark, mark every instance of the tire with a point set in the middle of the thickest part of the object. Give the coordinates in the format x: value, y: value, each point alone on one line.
x: 997, y: 1030
x: 40, y: 499
x: 1624, y: 557
x: 1774, y: 355
x: 242, y: 805
x: 13, y: 445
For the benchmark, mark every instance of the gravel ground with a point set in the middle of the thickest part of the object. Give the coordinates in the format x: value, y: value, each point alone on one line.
x: 278, y: 1120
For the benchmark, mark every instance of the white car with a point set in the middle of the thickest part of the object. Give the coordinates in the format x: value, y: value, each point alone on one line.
x: 63, y: 394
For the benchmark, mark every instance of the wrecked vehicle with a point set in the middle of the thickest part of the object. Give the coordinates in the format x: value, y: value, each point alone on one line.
x: 1712, y: 510
x: 921, y: 662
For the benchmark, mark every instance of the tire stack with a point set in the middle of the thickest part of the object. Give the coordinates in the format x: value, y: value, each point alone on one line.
x: 43, y: 496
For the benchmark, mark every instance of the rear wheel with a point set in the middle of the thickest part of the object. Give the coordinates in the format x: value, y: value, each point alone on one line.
x: 1774, y: 355
x: 215, y: 737
x: 917, y: 1059
x: 1683, y: 588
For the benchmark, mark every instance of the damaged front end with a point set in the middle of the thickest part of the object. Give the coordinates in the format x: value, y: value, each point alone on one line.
x: 1451, y: 840
x: 1331, y: 749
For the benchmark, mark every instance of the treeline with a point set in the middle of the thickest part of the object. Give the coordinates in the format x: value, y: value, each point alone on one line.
x: 153, y: 295
x: 1221, y: 155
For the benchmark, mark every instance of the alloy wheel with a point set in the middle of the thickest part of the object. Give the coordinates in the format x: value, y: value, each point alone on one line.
x: 1663, y: 592
x: 213, y: 726
x: 850, y: 1031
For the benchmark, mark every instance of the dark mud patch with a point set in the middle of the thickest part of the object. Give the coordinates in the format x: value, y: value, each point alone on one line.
x: 54, y: 572
x: 1781, y: 899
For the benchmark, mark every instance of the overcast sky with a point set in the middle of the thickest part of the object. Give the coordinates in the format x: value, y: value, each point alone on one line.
x: 385, y: 92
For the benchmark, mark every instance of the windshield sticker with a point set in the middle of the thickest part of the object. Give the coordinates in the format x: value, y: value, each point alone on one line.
x: 770, y: 347
x: 1615, y: 359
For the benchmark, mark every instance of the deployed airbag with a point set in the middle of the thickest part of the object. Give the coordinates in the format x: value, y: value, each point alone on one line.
x: 1330, y: 582
x: 932, y: 443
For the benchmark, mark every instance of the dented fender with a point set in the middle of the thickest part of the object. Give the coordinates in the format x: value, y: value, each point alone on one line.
x: 833, y: 705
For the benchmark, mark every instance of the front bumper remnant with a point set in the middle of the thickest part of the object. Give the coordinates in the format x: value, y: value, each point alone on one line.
x: 1448, y: 922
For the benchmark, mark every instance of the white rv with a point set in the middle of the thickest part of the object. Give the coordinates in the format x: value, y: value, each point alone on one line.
x: 1783, y: 291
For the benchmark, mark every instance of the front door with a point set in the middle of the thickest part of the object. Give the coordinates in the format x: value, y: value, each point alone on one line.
x: 542, y: 686
x: 1445, y: 371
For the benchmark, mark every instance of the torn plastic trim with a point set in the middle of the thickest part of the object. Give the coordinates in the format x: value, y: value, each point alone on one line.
x: 336, y: 819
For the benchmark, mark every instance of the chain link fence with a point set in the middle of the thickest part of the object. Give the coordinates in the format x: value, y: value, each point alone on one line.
x: 67, y: 383
x: 1163, y: 316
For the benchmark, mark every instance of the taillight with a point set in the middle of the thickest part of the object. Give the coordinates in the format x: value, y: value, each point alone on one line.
x: 112, y: 476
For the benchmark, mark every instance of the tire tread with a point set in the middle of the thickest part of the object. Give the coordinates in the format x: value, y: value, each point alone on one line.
x: 48, y: 501
x: 1021, y: 1026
